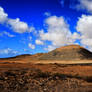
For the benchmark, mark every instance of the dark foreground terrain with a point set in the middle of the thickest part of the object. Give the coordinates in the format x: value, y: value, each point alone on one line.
x: 17, y: 77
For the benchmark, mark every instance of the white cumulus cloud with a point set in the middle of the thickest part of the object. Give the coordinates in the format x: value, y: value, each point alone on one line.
x: 47, y: 14
x: 85, y: 4
x: 78, y: 4
x: 57, y: 32
x: 31, y: 46
x: 84, y: 26
x: 8, y: 51
x: 7, y: 34
x: 39, y: 42
x: 3, y: 15
x: 50, y: 48
x: 15, y: 24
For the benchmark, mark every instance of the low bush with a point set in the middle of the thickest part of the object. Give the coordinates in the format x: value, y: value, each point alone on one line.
x: 88, y: 79
x: 41, y: 74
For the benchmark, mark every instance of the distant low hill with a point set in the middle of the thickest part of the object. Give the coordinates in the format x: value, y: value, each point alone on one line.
x: 23, y: 57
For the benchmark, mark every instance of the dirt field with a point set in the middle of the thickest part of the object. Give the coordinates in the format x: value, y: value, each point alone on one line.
x: 29, y: 77
x: 28, y: 60
x: 62, y: 62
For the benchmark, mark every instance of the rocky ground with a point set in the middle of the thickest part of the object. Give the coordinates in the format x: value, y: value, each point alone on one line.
x: 32, y: 78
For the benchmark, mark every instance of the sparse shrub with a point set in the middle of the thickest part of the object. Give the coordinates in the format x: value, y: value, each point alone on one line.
x: 1, y: 77
x: 55, y: 53
x: 61, y: 76
x: 88, y: 79
x: 9, y: 73
x: 41, y: 74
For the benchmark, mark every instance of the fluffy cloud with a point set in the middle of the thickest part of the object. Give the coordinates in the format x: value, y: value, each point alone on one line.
x: 7, y: 34
x: 31, y: 46
x: 32, y: 29
x: 15, y: 24
x: 57, y: 32
x: 84, y: 26
x: 78, y: 4
x: 8, y: 51
x: 39, y: 42
x: 50, y: 48
x: 85, y: 4
x: 47, y: 14
x: 3, y: 15
x: 76, y: 36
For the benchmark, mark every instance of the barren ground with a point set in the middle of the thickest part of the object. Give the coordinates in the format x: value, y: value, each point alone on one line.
x: 46, y: 77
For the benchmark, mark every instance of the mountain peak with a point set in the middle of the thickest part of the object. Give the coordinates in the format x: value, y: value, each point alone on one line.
x: 70, y: 47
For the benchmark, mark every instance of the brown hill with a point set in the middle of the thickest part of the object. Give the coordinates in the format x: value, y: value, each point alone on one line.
x: 25, y: 58
x: 71, y: 52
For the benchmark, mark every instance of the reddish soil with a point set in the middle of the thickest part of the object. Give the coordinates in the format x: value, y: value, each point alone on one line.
x: 17, y: 77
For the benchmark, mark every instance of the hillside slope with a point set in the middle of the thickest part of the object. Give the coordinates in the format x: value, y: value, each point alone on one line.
x: 70, y: 52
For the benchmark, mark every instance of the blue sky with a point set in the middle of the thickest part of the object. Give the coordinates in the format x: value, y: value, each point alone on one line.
x: 38, y: 26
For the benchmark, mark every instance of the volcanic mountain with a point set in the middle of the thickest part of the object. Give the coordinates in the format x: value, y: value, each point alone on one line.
x: 70, y: 52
